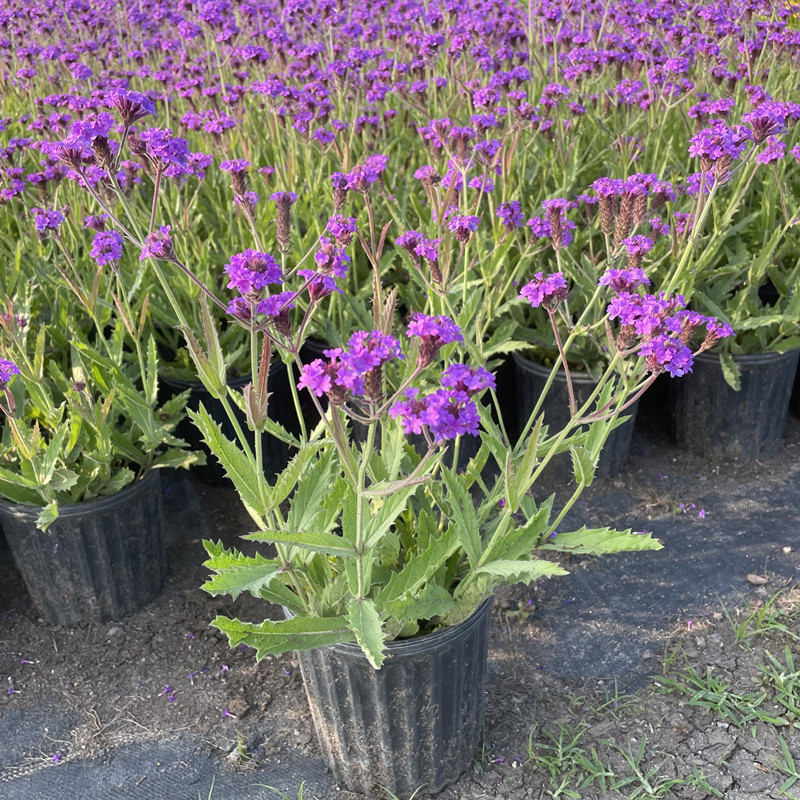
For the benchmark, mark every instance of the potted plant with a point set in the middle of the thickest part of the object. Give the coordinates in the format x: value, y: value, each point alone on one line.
x: 84, y: 431
x: 747, y: 273
x: 383, y: 558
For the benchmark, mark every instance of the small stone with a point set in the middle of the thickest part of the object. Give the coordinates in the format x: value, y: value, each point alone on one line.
x: 787, y: 550
x: 647, y: 654
x: 238, y: 707
x: 701, y: 642
x: 756, y: 580
x: 114, y: 630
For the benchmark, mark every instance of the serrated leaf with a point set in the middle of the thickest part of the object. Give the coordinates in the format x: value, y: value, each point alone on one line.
x: 433, y: 601
x: 512, y: 571
x: 601, y: 541
x: 730, y: 371
x: 420, y: 568
x: 328, y: 543
x: 583, y: 465
x: 179, y: 459
x: 239, y: 468
x: 236, y: 572
x: 365, y: 622
x: 306, y: 503
x: 378, y: 523
x: 273, y: 637
x: 291, y: 473
x: 463, y: 515
x: 47, y: 516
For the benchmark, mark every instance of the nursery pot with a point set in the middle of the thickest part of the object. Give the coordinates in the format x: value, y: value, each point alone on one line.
x: 414, y: 722
x: 531, y: 379
x: 99, y: 560
x: 281, y: 409
x: 796, y: 394
x: 710, y: 419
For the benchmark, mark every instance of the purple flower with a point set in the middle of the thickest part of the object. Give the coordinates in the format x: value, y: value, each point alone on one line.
x: 131, y: 105
x: 317, y: 377
x: 331, y: 260
x: 47, y: 219
x: 85, y: 131
x: 434, y: 333
x: 283, y: 198
x: 463, y: 227
x: 624, y: 280
x: 162, y: 146
x: 667, y: 353
x: 428, y: 249
x: 342, y: 228
x: 510, y: 214
x: 637, y: 245
x: 470, y: 380
x: 276, y: 304
x: 8, y: 369
x: 106, y: 247
x: 251, y: 272
x: 428, y: 176
x: 446, y: 413
x: 235, y: 166
x: 95, y: 222
x: 158, y: 245
x: 547, y: 292
x: 718, y: 142
x: 774, y: 151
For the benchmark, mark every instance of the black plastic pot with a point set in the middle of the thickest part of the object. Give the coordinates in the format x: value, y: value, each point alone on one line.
x: 711, y: 419
x: 281, y: 408
x: 414, y: 722
x: 99, y: 561
x: 795, y: 404
x: 531, y: 379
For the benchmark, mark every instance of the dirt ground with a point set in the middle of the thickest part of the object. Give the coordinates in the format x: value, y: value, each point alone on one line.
x: 700, y: 728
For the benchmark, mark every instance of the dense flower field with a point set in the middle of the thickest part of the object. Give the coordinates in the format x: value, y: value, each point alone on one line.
x: 500, y: 140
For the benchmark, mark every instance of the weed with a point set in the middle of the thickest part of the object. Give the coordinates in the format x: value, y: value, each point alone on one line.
x: 768, y: 618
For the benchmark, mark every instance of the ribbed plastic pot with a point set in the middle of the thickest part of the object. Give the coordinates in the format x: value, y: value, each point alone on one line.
x: 414, y: 722
x: 99, y: 561
x: 795, y: 404
x: 275, y: 452
x: 531, y: 379
x: 710, y: 419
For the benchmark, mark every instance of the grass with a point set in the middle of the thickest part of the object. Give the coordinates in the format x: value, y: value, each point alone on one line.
x: 766, y: 619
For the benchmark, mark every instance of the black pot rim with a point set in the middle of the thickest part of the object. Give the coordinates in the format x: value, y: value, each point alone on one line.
x: 417, y: 644
x: 750, y: 359
x: 20, y: 511
x: 534, y: 367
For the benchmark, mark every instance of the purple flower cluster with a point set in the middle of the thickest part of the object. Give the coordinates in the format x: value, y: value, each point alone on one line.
x: 343, y: 229
x: 47, y: 219
x: 251, y: 272
x: 463, y: 227
x: 718, y: 143
x: 106, y: 247
x: 433, y: 333
x: 350, y: 370
x: 235, y: 166
x: 447, y: 412
x: 660, y: 329
x: 545, y: 291
x: 158, y: 245
x: 510, y: 214
x: 624, y: 280
x: 8, y: 369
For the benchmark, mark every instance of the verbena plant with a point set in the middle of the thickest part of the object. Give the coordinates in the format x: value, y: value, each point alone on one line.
x: 375, y: 536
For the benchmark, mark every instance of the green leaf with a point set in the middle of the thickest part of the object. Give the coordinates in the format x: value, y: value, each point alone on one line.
x: 433, y: 601
x: 523, y: 540
x: 601, y: 541
x: 179, y: 459
x: 307, y: 501
x: 239, y: 468
x: 237, y: 573
x: 522, y: 571
x: 328, y: 543
x: 583, y: 465
x: 730, y: 371
x: 291, y: 473
x: 273, y: 637
x: 462, y: 512
x: 378, y: 524
x: 365, y: 622
x: 47, y: 516
x: 420, y: 568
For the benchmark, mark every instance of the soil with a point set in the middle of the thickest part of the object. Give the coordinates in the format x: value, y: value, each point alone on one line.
x: 164, y: 671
